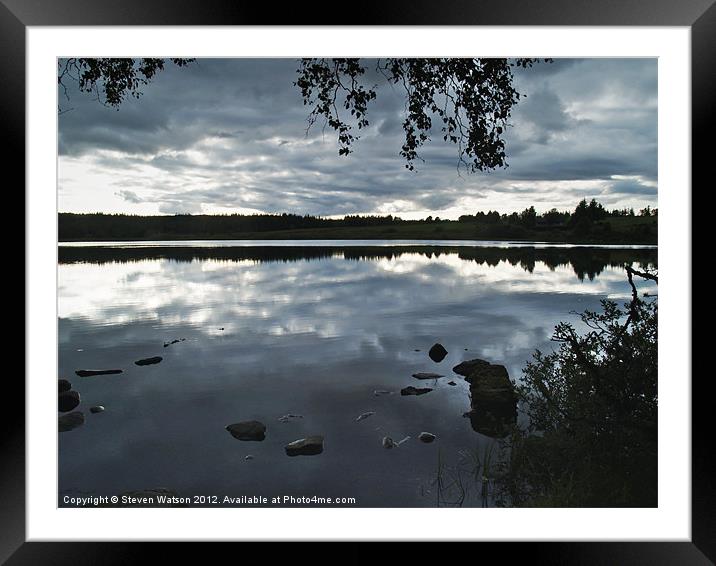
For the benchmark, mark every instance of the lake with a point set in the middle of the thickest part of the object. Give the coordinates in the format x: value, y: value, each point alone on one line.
x: 318, y: 330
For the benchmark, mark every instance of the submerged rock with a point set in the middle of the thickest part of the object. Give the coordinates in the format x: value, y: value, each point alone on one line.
x: 379, y: 392
x: 410, y: 390
x: 175, y: 341
x: 248, y: 430
x: 70, y: 421
x: 97, y: 409
x: 288, y: 417
x: 437, y: 353
x: 390, y: 443
x: 67, y: 401
x: 309, y: 446
x: 426, y: 437
x: 427, y: 375
x: 365, y: 415
x: 149, y: 361
x: 63, y: 385
x: 467, y: 367
x: 90, y: 372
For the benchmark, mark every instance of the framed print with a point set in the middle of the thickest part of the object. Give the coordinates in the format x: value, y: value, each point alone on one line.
x: 389, y: 281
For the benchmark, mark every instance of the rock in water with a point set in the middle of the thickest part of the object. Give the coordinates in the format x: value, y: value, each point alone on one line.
x: 309, y: 446
x: 426, y: 437
x: 96, y: 409
x: 389, y: 442
x: 491, y: 376
x: 493, y: 400
x: 427, y: 375
x: 452, y: 383
x: 288, y: 417
x: 63, y: 385
x: 365, y: 415
x: 67, y: 401
x: 379, y: 392
x: 70, y: 421
x: 89, y: 372
x: 437, y: 353
x: 467, y: 367
x: 149, y: 361
x: 248, y: 430
x: 410, y: 390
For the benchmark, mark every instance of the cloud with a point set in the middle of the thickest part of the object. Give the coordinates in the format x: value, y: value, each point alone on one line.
x: 631, y: 187
x: 230, y: 135
x: 180, y: 207
x: 546, y: 113
x: 129, y: 196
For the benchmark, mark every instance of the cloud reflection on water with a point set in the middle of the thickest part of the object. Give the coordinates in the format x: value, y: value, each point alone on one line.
x: 304, y: 337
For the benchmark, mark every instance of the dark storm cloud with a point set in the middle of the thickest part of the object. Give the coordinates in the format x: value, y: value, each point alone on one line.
x: 228, y: 134
x: 578, y: 167
x: 544, y: 110
x: 631, y: 187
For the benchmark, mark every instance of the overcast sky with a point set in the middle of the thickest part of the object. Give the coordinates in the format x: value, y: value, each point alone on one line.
x: 229, y: 135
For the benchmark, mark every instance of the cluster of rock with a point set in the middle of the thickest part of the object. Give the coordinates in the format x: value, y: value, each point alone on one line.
x: 256, y: 431
x: 436, y: 353
x: 67, y: 400
x: 493, y: 401
x: 70, y: 399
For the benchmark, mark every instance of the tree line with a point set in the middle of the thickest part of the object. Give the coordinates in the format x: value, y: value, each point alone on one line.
x: 585, y: 213
x: 587, y: 217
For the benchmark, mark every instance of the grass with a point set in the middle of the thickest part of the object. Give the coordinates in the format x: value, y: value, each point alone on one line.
x: 471, y: 478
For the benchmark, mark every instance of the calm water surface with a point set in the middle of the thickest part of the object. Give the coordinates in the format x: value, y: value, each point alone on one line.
x: 310, y: 330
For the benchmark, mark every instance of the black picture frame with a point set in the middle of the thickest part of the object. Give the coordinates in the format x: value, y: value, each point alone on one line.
x: 699, y: 15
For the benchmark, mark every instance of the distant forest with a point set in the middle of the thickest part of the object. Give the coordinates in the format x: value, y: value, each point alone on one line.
x: 589, y: 221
